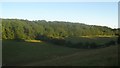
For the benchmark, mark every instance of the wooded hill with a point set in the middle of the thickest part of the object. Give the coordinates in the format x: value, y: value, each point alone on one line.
x: 67, y: 34
x: 25, y: 29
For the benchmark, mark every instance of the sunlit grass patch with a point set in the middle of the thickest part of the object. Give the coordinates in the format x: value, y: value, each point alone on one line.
x: 33, y: 41
x: 107, y: 36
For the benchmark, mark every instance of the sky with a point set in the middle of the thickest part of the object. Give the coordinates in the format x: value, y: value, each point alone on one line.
x: 92, y: 13
x: 59, y: 0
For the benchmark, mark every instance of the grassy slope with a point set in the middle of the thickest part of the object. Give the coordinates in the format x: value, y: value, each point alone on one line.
x: 35, y: 54
x: 98, y: 57
x: 15, y: 53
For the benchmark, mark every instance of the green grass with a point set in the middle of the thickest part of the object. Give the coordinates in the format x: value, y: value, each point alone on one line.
x: 15, y: 53
x: 44, y: 54
x: 33, y: 41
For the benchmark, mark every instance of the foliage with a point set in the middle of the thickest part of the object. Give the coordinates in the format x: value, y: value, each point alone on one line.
x: 76, y: 35
x: 24, y: 29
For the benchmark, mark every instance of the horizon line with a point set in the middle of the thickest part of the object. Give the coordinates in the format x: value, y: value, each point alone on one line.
x: 63, y: 21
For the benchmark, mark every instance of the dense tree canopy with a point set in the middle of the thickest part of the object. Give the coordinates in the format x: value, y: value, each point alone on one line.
x: 24, y: 29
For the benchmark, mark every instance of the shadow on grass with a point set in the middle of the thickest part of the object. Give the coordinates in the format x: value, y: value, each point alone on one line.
x: 86, y: 43
x: 73, y: 42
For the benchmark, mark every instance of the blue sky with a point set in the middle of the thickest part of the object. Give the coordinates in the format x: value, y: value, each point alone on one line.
x: 93, y: 13
x: 59, y: 0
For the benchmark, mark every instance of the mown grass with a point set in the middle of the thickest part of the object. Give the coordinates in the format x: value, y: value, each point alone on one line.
x: 15, y: 53
x: 98, y: 57
x: 46, y: 54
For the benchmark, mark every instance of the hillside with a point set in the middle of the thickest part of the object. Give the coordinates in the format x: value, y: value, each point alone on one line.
x: 25, y: 29
x: 57, y: 43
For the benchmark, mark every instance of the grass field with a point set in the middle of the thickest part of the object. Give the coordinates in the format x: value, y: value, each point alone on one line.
x: 46, y: 54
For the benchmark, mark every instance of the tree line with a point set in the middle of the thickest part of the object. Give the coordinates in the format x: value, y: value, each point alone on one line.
x: 25, y: 29
x: 56, y: 32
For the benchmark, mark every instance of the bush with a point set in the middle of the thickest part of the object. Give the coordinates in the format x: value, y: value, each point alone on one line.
x: 93, y: 45
x: 110, y: 43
